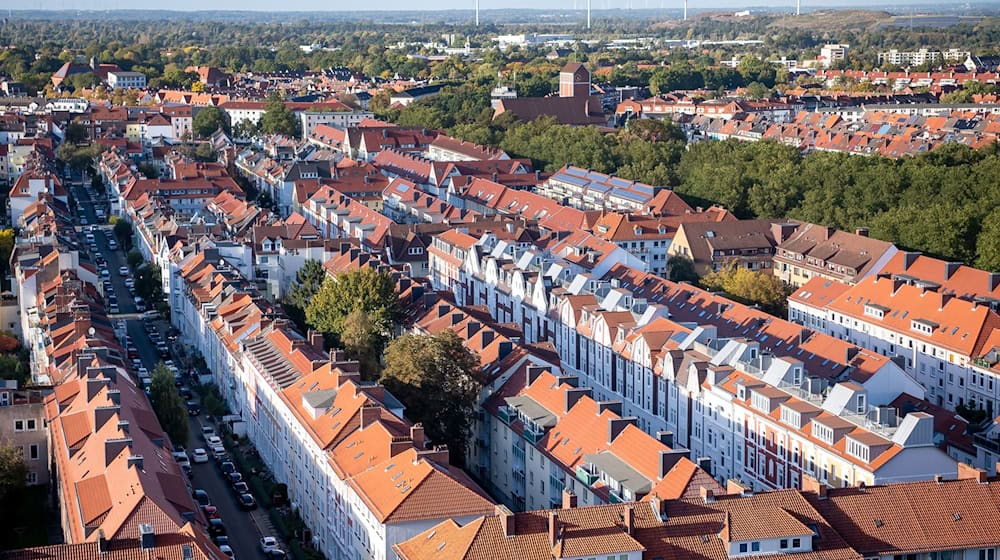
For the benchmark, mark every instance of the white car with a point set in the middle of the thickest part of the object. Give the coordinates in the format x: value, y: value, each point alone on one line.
x: 227, y: 550
x: 200, y: 455
x: 182, y: 458
x: 213, y: 441
x: 207, y: 432
x: 268, y: 543
x: 123, y: 271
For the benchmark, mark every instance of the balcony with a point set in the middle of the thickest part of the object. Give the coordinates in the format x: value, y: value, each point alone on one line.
x: 505, y: 415
x: 533, y: 436
x: 585, y: 476
x: 991, y: 445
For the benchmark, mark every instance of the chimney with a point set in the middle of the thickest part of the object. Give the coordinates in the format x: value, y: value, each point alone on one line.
x: 613, y: 406
x: 705, y: 464
x: 568, y: 499
x: 147, y: 538
x: 506, y: 520
x: 993, y: 281
x: 135, y: 461
x: 417, y: 435
x: 113, y: 447
x: 616, y: 425
x: 861, y: 232
x: 812, y: 484
x: 94, y: 386
x: 670, y: 458
x: 908, y: 259
x: 574, y: 395
x: 968, y: 472
x: 707, y: 495
x: 437, y: 455
x: 737, y: 488
x: 553, y: 528
x: 102, y: 543
x: 666, y: 438
x: 370, y: 413
x: 951, y: 268
x: 531, y: 374
x: 627, y: 519
x: 399, y: 445
x: 316, y: 340
x: 945, y: 298
x: 849, y: 353
x: 104, y: 413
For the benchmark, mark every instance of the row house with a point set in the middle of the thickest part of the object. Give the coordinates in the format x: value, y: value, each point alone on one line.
x: 613, y: 330
x: 404, y: 203
x: 340, y: 444
x: 549, y: 437
x: 491, y: 198
x: 446, y: 148
x: 31, y: 183
x: 711, y: 246
x: 358, y: 180
x: 878, y: 522
x: 826, y: 252
x: 590, y: 190
x: 335, y: 214
x: 282, y: 248
x: 434, y: 176
x: 648, y: 237
x: 369, y: 137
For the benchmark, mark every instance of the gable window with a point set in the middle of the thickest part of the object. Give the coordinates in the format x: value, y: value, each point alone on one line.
x: 18, y: 425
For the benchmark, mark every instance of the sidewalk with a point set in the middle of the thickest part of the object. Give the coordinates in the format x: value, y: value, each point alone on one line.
x: 262, y: 521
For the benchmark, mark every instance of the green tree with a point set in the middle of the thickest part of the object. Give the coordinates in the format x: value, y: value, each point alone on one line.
x: 15, y: 366
x: 205, y: 152
x: 134, y: 259
x: 75, y: 133
x: 308, y: 281
x: 366, y: 290
x: 207, y: 120
x: 988, y: 243
x: 168, y: 405
x: 123, y: 232
x: 750, y: 286
x: 359, y: 337
x: 278, y: 118
x: 681, y: 269
x: 6, y: 248
x: 13, y: 470
x: 439, y: 381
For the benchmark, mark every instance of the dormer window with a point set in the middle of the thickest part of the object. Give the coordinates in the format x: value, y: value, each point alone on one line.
x: 858, y: 450
x: 823, y: 433
x: 876, y: 311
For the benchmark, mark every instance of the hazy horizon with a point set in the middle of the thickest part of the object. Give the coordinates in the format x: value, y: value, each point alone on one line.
x: 434, y: 5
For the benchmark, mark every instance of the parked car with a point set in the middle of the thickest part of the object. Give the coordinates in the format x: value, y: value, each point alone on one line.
x: 241, y: 488
x: 247, y: 502
x: 235, y: 477
x: 211, y: 512
x: 194, y: 409
x: 225, y: 549
x: 268, y: 543
x: 201, y: 496
x: 200, y: 455
x: 207, y: 432
x: 182, y: 458
x: 216, y: 527
x: 227, y: 467
x: 123, y: 271
x: 275, y: 554
x: 221, y: 540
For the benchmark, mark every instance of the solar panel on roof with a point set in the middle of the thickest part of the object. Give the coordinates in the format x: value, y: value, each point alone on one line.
x: 645, y: 189
x: 630, y: 195
x: 619, y: 182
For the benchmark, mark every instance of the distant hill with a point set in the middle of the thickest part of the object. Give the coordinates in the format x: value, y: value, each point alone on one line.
x: 828, y: 20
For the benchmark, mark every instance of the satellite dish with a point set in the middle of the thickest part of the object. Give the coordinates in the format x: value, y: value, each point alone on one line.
x: 91, y: 331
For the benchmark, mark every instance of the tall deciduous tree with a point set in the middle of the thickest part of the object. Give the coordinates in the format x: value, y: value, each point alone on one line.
x: 752, y: 286
x: 365, y: 290
x: 207, y: 120
x: 168, y: 405
x: 278, y: 118
x: 308, y: 281
x: 13, y: 470
x: 438, y: 380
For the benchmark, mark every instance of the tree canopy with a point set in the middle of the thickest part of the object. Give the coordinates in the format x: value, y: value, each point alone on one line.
x: 308, y: 281
x: 278, y: 118
x: 750, y: 286
x: 168, y: 405
x: 207, y: 120
x: 438, y: 380
x: 358, y: 310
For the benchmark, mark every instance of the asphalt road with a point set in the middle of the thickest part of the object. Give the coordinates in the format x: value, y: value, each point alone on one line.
x: 242, y: 533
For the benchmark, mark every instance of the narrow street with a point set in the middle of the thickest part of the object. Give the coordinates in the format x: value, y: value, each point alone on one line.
x: 243, y: 534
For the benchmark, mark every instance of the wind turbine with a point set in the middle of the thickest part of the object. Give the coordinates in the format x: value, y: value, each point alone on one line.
x: 685, y: 10
x: 798, y: 7
x: 477, y: 13
x: 588, y: 14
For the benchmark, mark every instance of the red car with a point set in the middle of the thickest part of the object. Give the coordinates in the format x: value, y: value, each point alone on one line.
x: 211, y: 512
